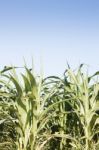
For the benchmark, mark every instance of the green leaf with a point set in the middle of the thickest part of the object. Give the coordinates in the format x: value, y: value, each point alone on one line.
x: 31, y: 78
x: 26, y: 83
x: 33, y: 84
x: 18, y: 87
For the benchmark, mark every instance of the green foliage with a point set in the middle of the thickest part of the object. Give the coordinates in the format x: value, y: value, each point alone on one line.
x: 49, y: 114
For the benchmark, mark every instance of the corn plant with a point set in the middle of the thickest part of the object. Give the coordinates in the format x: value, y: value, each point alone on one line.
x: 85, y: 104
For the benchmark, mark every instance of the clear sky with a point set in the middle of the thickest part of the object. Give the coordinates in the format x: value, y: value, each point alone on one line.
x: 55, y: 30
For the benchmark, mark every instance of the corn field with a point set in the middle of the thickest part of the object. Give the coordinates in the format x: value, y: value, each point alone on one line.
x: 50, y: 113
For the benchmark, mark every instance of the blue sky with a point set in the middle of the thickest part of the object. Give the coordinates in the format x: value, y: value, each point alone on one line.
x: 52, y: 31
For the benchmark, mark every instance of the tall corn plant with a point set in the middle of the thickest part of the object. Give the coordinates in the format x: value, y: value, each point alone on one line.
x: 27, y: 105
x: 27, y: 108
x: 85, y: 105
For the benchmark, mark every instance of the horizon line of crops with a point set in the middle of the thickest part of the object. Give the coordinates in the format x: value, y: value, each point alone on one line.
x: 50, y: 113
